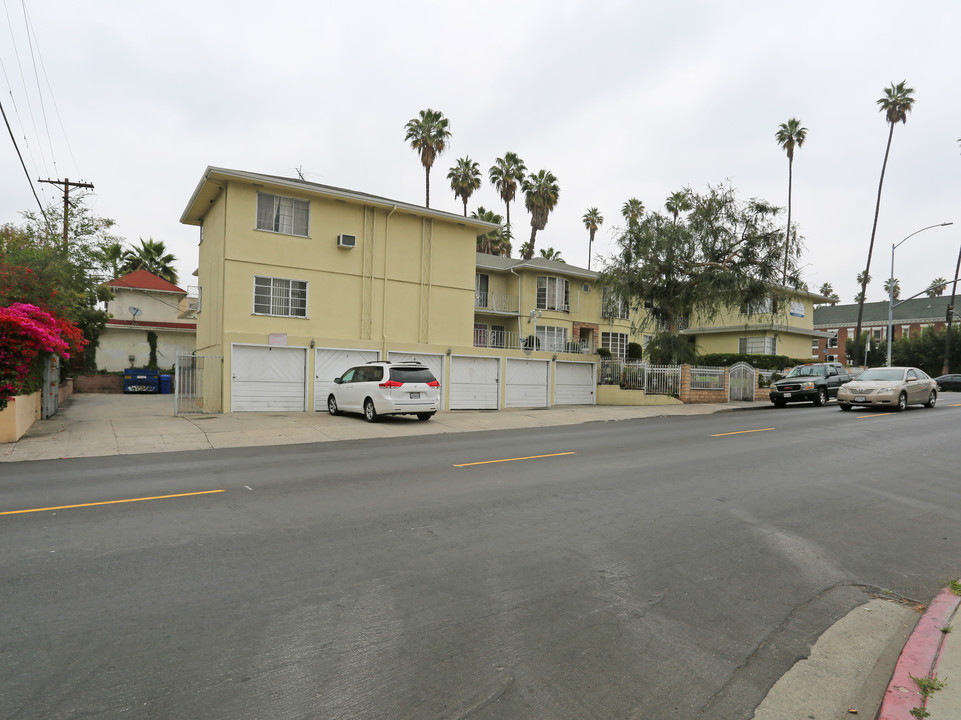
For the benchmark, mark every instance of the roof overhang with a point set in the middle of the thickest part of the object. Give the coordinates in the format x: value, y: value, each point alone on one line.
x: 756, y: 328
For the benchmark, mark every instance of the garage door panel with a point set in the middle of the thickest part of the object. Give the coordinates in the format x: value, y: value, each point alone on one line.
x: 268, y: 378
x: 330, y: 363
x: 474, y: 383
x: 434, y: 362
x: 574, y: 383
x: 527, y: 383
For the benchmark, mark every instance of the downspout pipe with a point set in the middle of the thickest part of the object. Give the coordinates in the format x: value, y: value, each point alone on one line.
x: 383, y: 351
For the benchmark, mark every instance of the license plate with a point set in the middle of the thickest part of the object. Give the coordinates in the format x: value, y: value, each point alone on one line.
x: 786, y: 394
x: 859, y: 398
x: 415, y: 396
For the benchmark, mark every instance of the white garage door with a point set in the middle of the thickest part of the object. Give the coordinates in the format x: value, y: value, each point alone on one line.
x: 573, y: 383
x: 434, y: 362
x: 268, y: 377
x: 527, y: 383
x: 473, y: 383
x: 330, y: 363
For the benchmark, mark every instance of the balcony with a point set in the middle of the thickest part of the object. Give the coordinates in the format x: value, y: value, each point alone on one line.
x: 503, y: 340
x: 495, y: 302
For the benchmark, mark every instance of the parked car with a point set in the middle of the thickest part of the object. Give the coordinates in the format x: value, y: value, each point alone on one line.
x: 948, y: 382
x: 811, y: 382
x: 386, y: 388
x: 892, y: 387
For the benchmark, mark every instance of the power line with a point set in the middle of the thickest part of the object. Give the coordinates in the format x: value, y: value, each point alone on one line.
x: 66, y: 198
x: 17, y: 148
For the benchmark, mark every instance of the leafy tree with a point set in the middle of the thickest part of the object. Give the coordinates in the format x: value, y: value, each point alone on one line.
x: 465, y: 178
x: 496, y: 242
x: 153, y: 257
x: 926, y: 350
x: 505, y: 175
x: 725, y: 253
x: 540, y: 198
x: 897, y: 102
x: 897, y: 288
x: 676, y: 203
x: 789, y: 135
x: 938, y: 287
x: 632, y: 210
x: 667, y: 349
x: 552, y: 254
x: 828, y: 291
x: 428, y: 135
x: 592, y: 220
x: 113, y: 256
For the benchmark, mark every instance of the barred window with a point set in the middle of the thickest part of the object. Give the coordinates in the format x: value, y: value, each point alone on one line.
x: 282, y: 214
x: 280, y: 297
x: 553, y: 293
x: 616, y: 343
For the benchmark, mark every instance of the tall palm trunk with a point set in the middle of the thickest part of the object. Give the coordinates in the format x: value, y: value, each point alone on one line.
x: 787, y: 238
x: 427, y: 184
x: 590, y: 242
x: 508, y: 204
x: 530, y: 248
x: 867, y: 268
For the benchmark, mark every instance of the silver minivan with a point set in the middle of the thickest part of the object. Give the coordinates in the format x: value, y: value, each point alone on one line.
x: 386, y: 388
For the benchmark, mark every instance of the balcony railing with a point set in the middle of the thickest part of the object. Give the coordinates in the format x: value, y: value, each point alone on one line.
x: 500, y: 339
x: 495, y: 302
x: 504, y: 340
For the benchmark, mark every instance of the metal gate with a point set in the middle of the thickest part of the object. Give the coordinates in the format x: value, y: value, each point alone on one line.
x: 742, y: 382
x: 198, y: 384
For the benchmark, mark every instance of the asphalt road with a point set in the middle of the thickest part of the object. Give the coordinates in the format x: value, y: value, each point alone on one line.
x: 660, y: 568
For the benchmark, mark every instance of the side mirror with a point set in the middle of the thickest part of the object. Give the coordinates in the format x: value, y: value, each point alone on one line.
x: 338, y: 381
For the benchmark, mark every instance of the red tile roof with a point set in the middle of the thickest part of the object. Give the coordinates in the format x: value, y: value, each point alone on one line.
x: 152, y: 323
x: 145, y: 280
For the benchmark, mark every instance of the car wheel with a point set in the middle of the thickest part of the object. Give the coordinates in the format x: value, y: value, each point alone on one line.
x: 845, y: 407
x: 822, y: 398
x: 425, y: 416
x: 370, y: 412
x: 932, y: 399
x: 902, y: 402
x: 332, y: 406
x: 779, y: 403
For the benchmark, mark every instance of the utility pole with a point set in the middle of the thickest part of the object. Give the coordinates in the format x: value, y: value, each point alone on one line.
x: 66, y: 198
x: 950, y: 317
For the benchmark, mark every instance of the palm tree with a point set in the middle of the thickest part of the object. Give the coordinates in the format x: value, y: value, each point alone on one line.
x: 112, y: 257
x: 592, y: 220
x: 495, y: 242
x: 827, y: 290
x: 465, y: 178
x: 428, y: 135
x: 938, y: 287
x: 897, y: 102
x: 897, y: 288
x: 632, y: 210
x: 552, y: 254
x: 540, y: 198
x: 505, y: 175
x: 153, y: 257
x: 789, y: 135
x: 677, y: 203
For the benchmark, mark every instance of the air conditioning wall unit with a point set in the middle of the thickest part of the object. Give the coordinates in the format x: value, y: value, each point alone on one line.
x: 347, y: 241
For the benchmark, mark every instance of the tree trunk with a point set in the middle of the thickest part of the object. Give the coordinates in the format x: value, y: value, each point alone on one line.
x: 867, y: 268
x: 947, y: 329
x: 530, y: 248
x: 465, y: 207
x: 787, y: 237
x: 590, y: 242
x: 427, y: 184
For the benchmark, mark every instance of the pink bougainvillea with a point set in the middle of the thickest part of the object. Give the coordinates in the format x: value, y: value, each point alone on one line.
x: 27, y: 332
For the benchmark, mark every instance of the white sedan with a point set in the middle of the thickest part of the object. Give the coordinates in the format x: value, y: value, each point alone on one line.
x: 891, y: 387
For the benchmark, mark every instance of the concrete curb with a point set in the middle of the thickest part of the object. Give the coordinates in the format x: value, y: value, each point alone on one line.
x: 919, y: 658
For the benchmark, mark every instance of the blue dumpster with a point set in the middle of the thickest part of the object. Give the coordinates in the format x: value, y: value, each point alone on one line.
x: 166, y: 384
x: 141, y: 381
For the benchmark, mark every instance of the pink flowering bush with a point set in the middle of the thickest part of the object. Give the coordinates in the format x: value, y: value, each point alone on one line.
x: 26, y: 334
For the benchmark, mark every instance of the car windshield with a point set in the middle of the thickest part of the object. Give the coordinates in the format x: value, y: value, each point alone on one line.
x: 807, y: 371
x: 411, y: 375
x: 882, y: 374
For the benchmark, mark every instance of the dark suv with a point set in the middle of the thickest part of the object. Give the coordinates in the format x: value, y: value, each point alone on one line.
x: 812, y: 382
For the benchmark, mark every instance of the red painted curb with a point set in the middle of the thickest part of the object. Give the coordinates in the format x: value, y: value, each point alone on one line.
x: 918, y: 658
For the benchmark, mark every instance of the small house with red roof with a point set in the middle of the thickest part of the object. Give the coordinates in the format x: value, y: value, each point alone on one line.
x: 144, y: 303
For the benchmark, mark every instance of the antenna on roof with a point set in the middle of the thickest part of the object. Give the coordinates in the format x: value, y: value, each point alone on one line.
x: 300, y: 172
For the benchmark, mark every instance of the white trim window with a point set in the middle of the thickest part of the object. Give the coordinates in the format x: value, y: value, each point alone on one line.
x: 616, y: 343
x: 280, y: 297
x: 551, y: 339
x: 289, y: 216
x: 757, y: 345
x: 553, y: 293
x: 761, y: 307
x: 613, y: 306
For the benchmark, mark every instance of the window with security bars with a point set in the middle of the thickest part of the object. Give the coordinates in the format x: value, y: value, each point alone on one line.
x: 553, y: 293
x: 552, y: 339
x: 280, y: 297
x: 757, y: 346
x: 282, y: 214
x: 616, y: 343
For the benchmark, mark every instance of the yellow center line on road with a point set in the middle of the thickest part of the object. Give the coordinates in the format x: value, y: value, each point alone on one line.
x: 955, y: 405
x: 531, y: 457
x: 862, y: 417
x: 741, y: 432
x: 110, y: 502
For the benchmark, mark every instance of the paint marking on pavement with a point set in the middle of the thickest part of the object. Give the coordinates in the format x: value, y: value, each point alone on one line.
x: 862, y: 417
x: 110, y: 502
x: 955, y: 405
x: 530, y: 457
x: 741, y: 432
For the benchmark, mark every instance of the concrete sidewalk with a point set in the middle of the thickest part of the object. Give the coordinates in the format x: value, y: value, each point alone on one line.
x: 89, y: 425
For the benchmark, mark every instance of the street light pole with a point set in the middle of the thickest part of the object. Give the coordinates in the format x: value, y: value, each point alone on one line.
x: 891, y: 283
x: 951, y: 314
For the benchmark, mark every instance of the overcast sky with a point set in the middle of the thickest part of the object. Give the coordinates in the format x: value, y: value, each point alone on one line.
x: 617, y: 99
